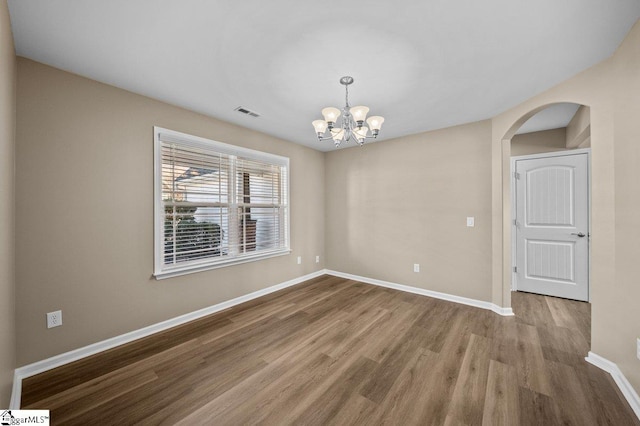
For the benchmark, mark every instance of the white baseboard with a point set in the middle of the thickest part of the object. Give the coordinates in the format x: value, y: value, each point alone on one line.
x: 435, y: 294
x: 76, y: 354
x: 16, y: 391
x: 625, y: 387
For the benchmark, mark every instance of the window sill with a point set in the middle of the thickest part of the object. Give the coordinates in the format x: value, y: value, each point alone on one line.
x: 191, y: 269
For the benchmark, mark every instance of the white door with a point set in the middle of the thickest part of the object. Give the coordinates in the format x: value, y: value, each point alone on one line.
x: 552, y: 226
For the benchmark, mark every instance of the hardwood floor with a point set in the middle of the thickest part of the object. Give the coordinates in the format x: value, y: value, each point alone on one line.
x: 338, y: 352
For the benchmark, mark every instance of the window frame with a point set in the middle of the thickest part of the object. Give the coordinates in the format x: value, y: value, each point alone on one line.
x: 161, y: 270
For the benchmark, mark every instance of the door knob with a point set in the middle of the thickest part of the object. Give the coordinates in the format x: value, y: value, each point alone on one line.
x: 579, y: 234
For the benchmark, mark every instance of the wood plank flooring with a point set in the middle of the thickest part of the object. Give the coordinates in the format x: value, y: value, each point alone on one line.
x: 338, y: 352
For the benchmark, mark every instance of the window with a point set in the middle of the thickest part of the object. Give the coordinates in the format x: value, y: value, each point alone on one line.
x: 216, y: 204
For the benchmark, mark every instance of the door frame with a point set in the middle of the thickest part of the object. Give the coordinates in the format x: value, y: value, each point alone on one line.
x: 514, y: 230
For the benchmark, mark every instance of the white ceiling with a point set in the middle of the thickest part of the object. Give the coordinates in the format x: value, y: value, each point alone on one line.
x: 423, y: 65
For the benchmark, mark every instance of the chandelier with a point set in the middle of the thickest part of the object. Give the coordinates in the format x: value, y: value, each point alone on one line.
x: 352, y: 121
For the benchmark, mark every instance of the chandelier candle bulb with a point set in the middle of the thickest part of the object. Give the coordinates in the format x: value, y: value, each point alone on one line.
x: 352, y: 123
x: 337, y: 135
x: 375, y: 123
x: 359, y: 114
x: 331, y: 115
x: 361, y: 134
x: 320, y: 126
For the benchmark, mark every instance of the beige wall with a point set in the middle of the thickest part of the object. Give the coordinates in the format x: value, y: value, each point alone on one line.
x: 7, y: 148
x: 619, y: 317
x: 84, y: 190
x: 611, y: 90
x: 539, y: 142
x: 579, y: 129
x: 395, y: 203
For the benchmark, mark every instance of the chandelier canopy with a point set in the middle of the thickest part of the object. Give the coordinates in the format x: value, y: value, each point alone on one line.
x: 352, y: 123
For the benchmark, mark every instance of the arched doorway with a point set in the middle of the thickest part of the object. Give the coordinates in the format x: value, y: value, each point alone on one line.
x: 550, y: 193
x: 551, y: 132
x: 556, y: 122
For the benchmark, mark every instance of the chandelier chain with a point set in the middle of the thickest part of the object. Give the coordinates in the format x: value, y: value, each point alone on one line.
x: 346, y: 95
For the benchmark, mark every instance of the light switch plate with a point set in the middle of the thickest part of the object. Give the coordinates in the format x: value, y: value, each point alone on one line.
x: 638, y: 348
x: 416, y: 267
x: 471, y: 221
x: 299, y: 260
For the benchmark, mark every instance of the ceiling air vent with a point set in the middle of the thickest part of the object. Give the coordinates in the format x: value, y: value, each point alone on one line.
x: 247, y: 111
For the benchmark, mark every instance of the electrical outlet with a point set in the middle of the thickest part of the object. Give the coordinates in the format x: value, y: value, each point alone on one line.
x: 54, y: 319
x: 638, y: 348
x: 416, y: 267
x: 471, y: 221
x: 317, y: 259
x: 299, y: 260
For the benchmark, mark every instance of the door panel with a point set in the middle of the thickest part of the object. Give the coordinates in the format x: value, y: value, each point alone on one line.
x: 550, y: 260
x: 551, y: 214
x: 549, y: 196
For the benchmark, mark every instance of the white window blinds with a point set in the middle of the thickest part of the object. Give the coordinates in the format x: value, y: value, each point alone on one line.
x: 216, y: 204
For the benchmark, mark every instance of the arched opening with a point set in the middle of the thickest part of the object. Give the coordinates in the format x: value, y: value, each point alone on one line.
x: 558, y: 127
x: 546, y: 133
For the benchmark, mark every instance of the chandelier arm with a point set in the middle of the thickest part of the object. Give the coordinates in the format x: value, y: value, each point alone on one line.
x: 373, y: 135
